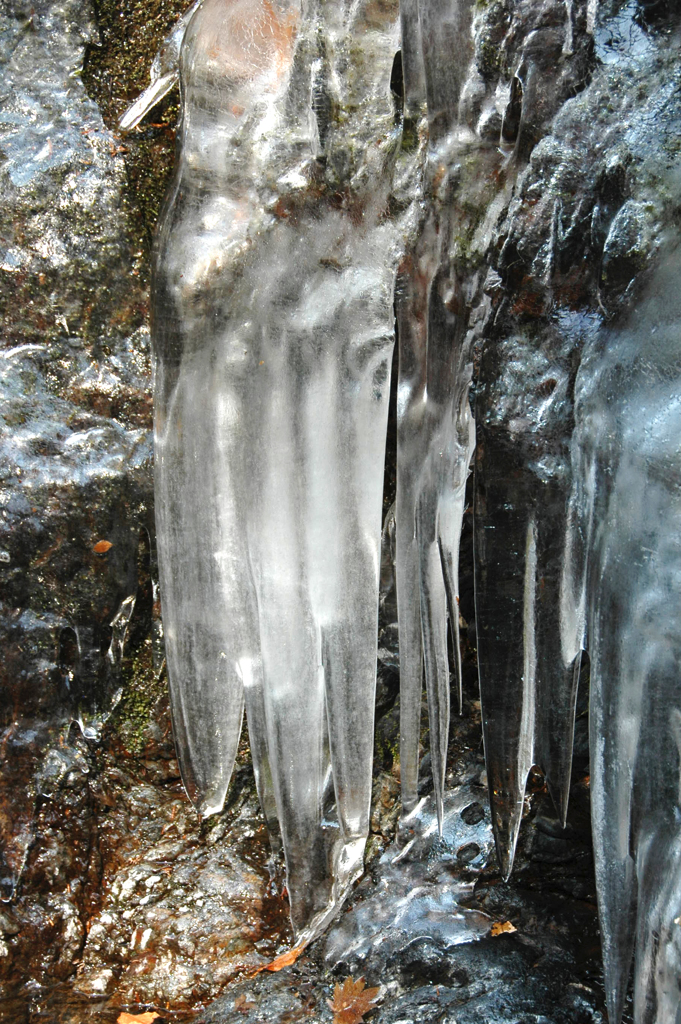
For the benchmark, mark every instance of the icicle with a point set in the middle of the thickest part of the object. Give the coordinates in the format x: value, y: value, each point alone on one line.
x: 412, y: 59
x: 520, y: 521
x: 273, y: 334
x: 164, y: 73
x: 435, y: 430
x: 623, y: 555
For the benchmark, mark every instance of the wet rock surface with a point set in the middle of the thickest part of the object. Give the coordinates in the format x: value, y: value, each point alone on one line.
x: 434, y: 925
x: 126, y: 895
x: 76, y: 410
x: 113, y: 894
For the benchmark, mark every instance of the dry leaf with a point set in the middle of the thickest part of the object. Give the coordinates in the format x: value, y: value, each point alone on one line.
x: 101, y: 548
x: 283, y: 960
x: 137, y: 1018
x: 502, y: 927
x: 351, y: 1001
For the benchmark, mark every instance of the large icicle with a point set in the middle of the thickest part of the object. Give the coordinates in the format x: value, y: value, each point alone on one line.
x: 273, y: 333
x: 435, y: 441
x: 623, y: 566
x: 435, y: 428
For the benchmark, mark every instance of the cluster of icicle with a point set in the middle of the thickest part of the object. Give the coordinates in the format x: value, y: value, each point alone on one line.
x: 273, y: 333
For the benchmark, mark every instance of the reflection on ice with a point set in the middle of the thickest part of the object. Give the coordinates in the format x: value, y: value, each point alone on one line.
x: 273, y: 335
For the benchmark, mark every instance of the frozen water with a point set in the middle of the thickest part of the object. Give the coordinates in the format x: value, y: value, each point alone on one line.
x: 623, y: 568
x: 435, y: 430
x: 273, y: 330
x: 164, y: 73
x: 527, y: 677
x: 419, y: 893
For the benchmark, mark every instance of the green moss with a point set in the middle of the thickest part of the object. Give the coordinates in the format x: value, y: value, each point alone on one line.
x: 488, y: 59
x: 142, y: 688
x: 115, y: 73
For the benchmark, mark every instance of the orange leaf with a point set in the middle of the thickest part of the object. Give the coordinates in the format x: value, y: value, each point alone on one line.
x: 137, y: 1018
x: 351, y: 1001
x: 283, y: 960
x: 501, y: 927
x: 101, y: 548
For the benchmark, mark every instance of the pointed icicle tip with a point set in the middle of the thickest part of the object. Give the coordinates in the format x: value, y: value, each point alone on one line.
x: 505, y: 840
x: 560, y: 796
x: 440, y: 814
x: 152, y: 95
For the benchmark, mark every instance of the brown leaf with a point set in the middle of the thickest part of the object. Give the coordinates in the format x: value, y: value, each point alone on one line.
x: 101, y: 548
x: 281, y: 961
x: 501, y: 927
x: 351, y: 1001
x: 137, y: 1018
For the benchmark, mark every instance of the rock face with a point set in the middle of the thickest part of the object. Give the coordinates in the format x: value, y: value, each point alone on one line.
x: 75, y: 421
x: 113, y: 894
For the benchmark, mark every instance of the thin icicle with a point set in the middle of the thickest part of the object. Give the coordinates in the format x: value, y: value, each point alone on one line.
x: 164, y: 73
x: 435, y: 427
x: 521, y: 493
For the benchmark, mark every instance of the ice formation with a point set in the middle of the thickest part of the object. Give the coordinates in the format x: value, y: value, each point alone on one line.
x: 435, y: 432
x: 273, y: 331
x: 527, y: 679
x: 621, y: 586
x: 276, y: 259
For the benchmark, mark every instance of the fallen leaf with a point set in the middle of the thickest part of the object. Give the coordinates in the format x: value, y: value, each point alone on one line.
x: 351, y: 1001
x: 101, y: 548
x: 137, y: 1018
x: 502, y: 927
x: 281, y: 961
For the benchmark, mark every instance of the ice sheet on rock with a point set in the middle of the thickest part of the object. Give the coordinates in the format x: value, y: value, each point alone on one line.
x: 418, y: 894
x: 273, y: 334
x: 624, y: 564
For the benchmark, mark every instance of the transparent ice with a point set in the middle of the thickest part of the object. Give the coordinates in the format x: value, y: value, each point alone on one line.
x: 273, y: 331
x: 276, y: 260
x: 621, y: 598
x: 527, y: 680
x: 435, y: 429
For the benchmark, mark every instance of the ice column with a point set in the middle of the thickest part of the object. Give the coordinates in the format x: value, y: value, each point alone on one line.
x: 273, y: 330
x: 436, y: 433
x: 623, y: 577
